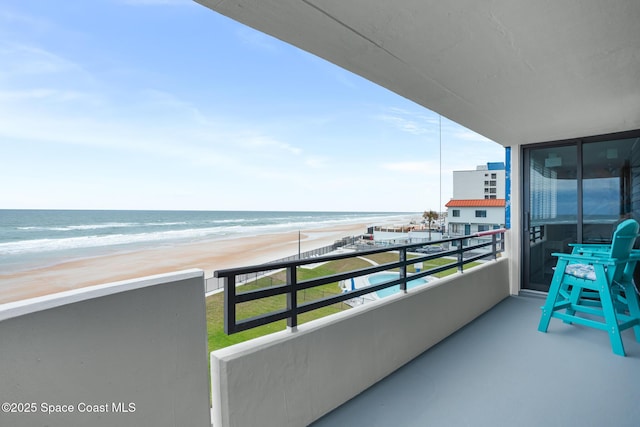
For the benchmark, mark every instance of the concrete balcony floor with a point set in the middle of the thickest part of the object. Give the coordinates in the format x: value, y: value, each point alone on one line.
x: 500, y: 371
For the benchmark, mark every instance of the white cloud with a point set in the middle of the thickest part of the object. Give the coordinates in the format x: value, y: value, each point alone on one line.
x: 468, y: 135
x: 251, y: 37
x: 268, y: 144
x: 20, y: 59
x: 405, y: 125
x: 187, y: 139
x: 415, y: 123
x: 316, y: 162
x: 421, y: 114
x: 416, y: 167
x: 11, y: 17
x: 46, y: 94
x: 163, y: 103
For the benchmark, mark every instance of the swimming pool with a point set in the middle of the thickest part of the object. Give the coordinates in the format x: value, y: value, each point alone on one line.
x: 378, y: 278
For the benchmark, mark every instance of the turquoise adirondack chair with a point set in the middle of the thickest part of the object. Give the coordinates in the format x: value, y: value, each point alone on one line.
x: 597, y: 281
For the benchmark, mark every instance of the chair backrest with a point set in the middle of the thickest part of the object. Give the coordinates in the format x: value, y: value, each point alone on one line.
x: 621, y: 244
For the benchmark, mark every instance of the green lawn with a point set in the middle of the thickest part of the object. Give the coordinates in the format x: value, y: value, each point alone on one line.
x: 215, y: 303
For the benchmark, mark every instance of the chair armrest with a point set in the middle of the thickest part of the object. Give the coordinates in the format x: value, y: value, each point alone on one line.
x: 588, y: 259
x: 599, y: 250
x: 590, y: 248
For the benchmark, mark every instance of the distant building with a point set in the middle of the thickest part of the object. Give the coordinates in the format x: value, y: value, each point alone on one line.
x: 478, y: 200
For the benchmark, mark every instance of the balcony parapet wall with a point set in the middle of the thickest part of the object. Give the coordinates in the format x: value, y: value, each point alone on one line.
x: 294, y: 378
x: 126, y: 353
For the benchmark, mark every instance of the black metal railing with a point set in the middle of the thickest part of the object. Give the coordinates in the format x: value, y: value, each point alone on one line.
x: 460, y: 254
x: 215, y: 283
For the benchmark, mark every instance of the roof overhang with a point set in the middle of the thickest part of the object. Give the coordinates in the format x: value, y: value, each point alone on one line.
x: 474, y: 203
x: 514, y: 71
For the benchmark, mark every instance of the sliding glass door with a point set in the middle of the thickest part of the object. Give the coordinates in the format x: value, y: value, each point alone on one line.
x: 551, y: 210
x: 575, y: 191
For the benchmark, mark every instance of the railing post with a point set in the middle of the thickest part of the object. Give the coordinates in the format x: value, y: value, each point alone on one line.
x: 292, y: 298
x: 460, y: 257
x: 494, y: 247
x: 229, y: 304
x: 403, y: 270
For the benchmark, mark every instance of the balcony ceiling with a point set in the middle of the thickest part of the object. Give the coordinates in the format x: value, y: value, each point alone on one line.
x: 514, y: 71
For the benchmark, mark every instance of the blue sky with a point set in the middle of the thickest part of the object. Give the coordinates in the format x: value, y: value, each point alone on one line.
x: 164, y: 104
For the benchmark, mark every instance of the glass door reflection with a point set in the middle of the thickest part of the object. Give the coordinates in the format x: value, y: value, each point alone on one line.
x: 607, y: 187
x: 551, y: 209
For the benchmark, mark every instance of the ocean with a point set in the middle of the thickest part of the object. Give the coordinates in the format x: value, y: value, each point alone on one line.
x: 40, y: 238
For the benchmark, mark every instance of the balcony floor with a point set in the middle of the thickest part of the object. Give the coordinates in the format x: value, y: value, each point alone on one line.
x: 500, y: 371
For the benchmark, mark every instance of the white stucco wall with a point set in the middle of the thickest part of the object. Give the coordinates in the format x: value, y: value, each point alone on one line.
x: 135, y: 351
x: 469, y: 184
x: 495, y: 215
x: 293, y: 378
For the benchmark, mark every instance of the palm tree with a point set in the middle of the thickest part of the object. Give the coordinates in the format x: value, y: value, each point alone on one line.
x: 430, y: 217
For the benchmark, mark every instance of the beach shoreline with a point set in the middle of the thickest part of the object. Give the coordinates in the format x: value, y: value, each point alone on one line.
x: 207, y: 255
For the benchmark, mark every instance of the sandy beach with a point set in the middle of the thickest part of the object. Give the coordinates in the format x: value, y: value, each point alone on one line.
x: 208, y: 256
